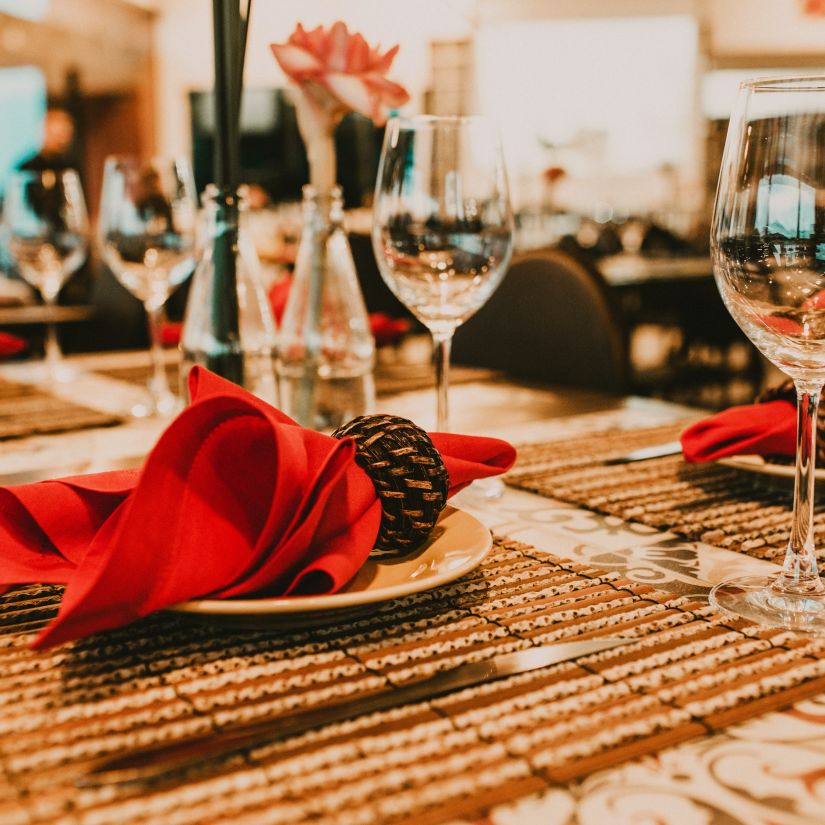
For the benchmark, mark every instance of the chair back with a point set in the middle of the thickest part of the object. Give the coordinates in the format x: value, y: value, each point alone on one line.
x: 552, y: 320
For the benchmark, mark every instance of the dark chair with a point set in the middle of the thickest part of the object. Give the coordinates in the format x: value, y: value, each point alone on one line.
x: 551, y: 320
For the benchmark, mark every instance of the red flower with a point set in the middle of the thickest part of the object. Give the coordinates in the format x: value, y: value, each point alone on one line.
x: 341, y: 71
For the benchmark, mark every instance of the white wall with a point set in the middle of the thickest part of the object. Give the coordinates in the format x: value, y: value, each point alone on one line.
x: 580, y: 94
x: 184, y: 46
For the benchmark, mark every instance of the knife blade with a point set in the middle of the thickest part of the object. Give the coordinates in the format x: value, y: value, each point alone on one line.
x: 646, y: 453
x: 156, y: 760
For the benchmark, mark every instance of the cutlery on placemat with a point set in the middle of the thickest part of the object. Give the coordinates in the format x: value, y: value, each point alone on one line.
x: 645, y: 453
x: 156, y: 760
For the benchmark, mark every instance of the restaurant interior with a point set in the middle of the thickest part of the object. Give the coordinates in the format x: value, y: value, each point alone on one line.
x: 575, y: 242
x: 608, y: 160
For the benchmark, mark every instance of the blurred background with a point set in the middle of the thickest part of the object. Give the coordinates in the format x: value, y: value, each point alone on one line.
x: 613, y: 115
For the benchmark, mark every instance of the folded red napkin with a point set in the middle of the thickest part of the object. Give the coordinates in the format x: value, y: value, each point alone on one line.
x: 11, y: 345
x: 753, y: 429
x: 170, y: 333
x: 385, y: 329
x: 234, y: 499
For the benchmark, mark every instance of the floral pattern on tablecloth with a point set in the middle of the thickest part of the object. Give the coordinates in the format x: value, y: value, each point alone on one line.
x: 768, y: 771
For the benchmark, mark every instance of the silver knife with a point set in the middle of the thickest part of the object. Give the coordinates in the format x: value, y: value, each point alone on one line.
x: 156, y: 760
x: 645, y: 453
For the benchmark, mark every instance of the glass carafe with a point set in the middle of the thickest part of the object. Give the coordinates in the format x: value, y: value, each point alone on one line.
x: 228, y: 326
x: 326, y: 349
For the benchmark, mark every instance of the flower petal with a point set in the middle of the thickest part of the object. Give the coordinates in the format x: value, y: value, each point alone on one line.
x: 296, y: 61
x: 358, y: 55
x: 316, y: 42
x: 352, y: 91
x: 379, y: 63
x: 391, y: 94
x: 299, y: 37
x: 336, y: 58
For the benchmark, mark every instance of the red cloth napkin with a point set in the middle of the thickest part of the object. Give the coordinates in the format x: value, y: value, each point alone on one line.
x: 385, y: 329
x: 234, y: 499
x: 754, y: 429
x: 170, y: 333
x: 11, y: 345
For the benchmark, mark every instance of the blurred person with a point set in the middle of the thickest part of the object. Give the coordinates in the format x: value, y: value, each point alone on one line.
x: 58, y: 138
x: 150, y: 201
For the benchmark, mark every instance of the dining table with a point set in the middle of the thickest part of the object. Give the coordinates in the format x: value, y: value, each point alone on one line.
x: 573, y: 515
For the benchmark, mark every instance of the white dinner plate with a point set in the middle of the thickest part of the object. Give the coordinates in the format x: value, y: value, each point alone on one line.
x: 776, y: 476
x: 757, y: 464
x: 459, y: 543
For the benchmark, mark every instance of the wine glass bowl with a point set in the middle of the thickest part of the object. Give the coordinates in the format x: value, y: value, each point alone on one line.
x: 768, y: 250
x: 47, y: 226
x: 148, y: 222
x: 442, y: 224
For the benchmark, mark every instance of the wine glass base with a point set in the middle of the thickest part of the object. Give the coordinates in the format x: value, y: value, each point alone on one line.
x: 752, y: 597
x: 63, y: 373
x: 165, y: 405
x: 44, y: 372
x: 486, y: 489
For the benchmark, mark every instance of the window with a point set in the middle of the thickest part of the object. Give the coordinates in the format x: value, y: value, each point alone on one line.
x: 23, y: 104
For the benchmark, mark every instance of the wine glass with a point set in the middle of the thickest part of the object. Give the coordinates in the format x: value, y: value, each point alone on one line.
x: 148, y: 222
x: 442, y: 225
x: 47, y: 230
x: 768, y: 248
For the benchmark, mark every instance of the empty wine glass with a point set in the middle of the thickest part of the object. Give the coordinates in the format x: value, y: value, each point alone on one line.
x: 148, y: 222
x: 442, y: 224
x: 47, y: 227
x: 767, y: 241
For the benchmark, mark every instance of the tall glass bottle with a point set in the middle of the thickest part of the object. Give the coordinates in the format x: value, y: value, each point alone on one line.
x: 326, y: 349
x: 228, y: 325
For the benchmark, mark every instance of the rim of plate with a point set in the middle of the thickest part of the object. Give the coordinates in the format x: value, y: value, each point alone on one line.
x: 289, y: 605
x: 758, y: 464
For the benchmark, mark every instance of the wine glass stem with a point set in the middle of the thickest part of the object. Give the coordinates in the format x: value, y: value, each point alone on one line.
x: 51, y: 347
x: 158, y: 385
x: 54, y: 356
x: 799, y: 571
x: 442, y: 343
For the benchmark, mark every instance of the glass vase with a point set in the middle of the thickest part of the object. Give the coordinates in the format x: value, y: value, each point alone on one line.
x: 228, y: 325
x: 326, y: 348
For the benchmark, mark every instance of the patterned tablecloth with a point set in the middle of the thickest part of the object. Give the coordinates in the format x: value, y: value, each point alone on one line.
x: 770, y: 769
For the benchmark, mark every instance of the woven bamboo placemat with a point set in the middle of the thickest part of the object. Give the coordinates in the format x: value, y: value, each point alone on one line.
x: 26, y: 410
x: 688, y: 672
x: 140, y: 374
x: 389, y: 380
x: 705, y: 502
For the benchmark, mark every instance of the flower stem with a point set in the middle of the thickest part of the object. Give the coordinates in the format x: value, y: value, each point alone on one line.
x: 321, y: 155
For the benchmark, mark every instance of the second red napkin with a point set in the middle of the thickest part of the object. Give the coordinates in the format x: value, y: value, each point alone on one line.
x: 753, y: 429
x: 235, y: 499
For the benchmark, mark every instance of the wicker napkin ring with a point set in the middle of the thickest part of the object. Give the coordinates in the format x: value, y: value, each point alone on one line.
x: 408, y: 473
